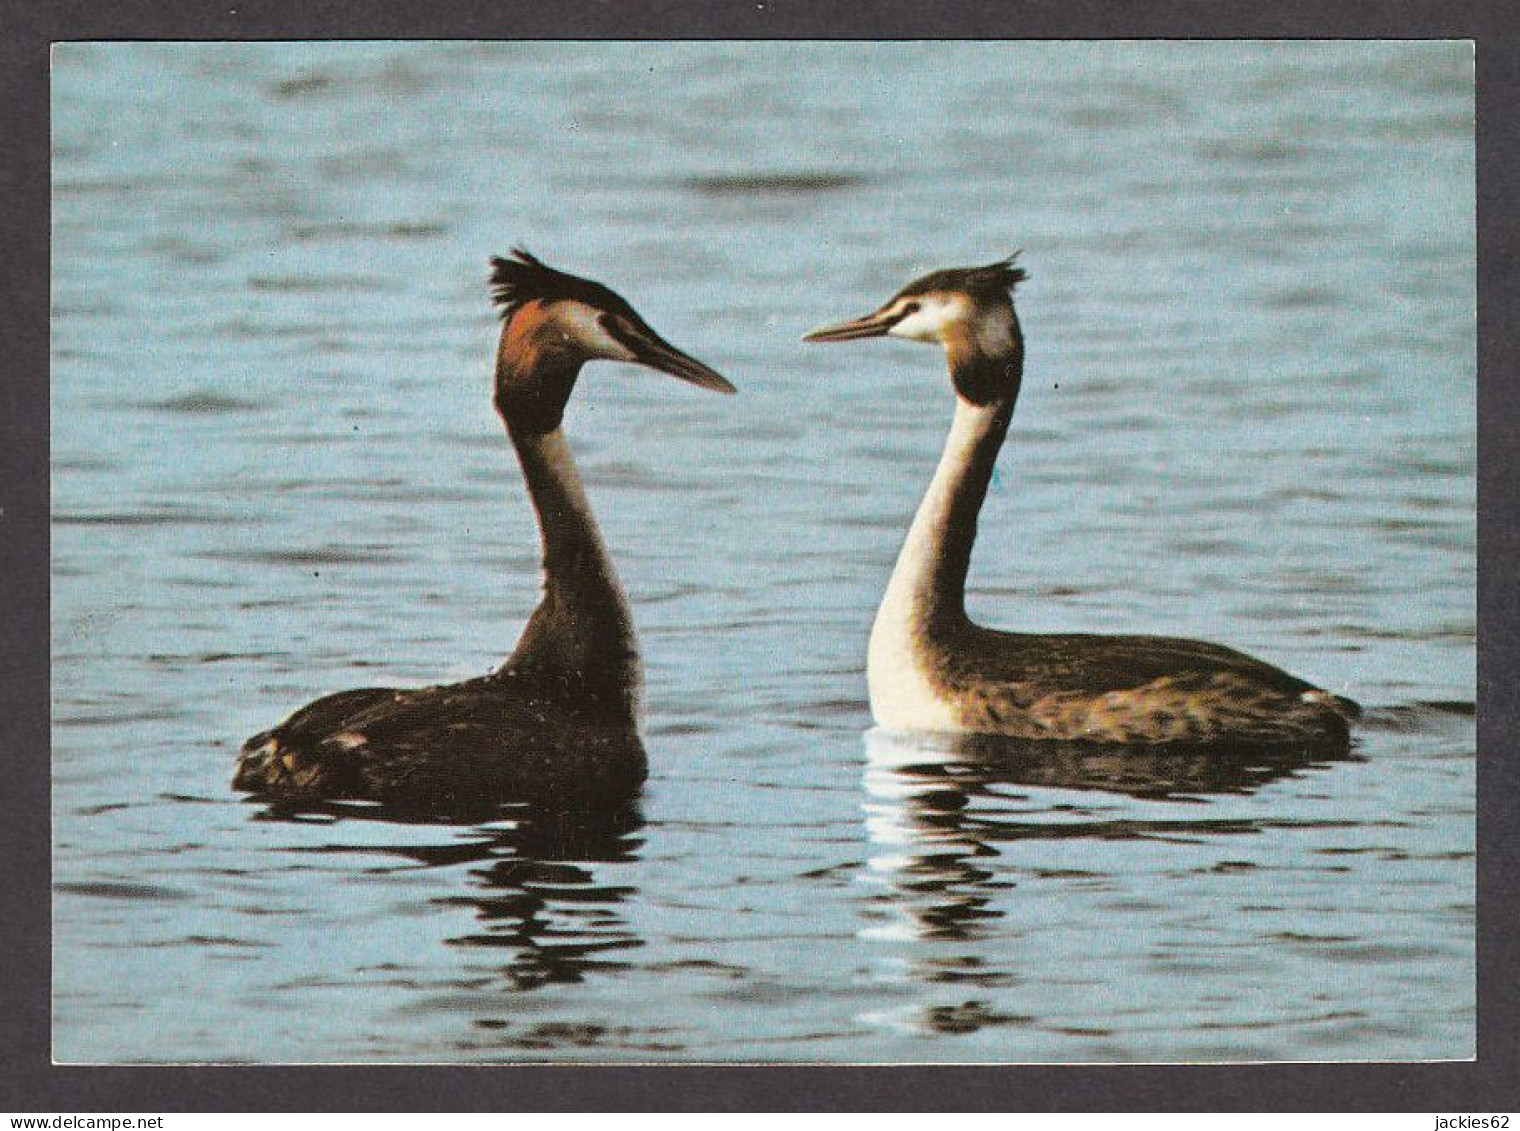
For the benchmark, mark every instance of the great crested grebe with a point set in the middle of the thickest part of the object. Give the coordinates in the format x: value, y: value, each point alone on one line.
x: 558, y: 720
x: 930, y: 668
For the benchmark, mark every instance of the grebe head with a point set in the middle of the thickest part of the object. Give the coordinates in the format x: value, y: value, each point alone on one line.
x: 553, y: 324
x: 941, y: 307
x: 968, y: 311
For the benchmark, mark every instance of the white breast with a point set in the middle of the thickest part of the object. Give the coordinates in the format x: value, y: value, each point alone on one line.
x: 902, y: 695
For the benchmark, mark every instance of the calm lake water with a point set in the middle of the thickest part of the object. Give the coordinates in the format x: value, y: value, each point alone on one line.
x: 1248, y: 416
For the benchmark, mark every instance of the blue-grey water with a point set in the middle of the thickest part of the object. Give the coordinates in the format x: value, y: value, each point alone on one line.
x: 1248, y: 416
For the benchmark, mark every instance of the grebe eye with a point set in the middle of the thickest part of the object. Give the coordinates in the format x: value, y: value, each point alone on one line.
x: 911, y: 308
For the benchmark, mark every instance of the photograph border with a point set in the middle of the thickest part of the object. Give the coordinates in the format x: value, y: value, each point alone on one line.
x: 28, y: 1080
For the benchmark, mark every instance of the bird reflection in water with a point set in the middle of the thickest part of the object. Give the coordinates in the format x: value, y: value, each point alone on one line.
x: 934, y: 867
x: 537, y: 893
x: 938, y: 806
x: 545, y: 906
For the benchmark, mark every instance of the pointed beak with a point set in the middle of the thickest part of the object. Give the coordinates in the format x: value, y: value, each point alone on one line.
x: 648, y: 348
x: 873, y: 325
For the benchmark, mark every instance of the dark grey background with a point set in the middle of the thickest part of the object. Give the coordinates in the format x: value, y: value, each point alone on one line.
x: 28, y: 1082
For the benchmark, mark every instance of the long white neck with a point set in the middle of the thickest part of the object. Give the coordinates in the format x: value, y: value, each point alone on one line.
x: 925, y: 599
x: 581, y: 634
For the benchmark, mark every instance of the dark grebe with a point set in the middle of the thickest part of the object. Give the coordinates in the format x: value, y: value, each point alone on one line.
x: 558, y: 722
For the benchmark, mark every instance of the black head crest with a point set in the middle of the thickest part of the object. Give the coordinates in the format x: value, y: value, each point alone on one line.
x: 525, y: 278
x: 993, y: 279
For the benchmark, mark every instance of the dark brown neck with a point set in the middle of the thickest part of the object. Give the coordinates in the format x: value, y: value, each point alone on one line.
x: 986, y: 357
x: 580, y: 640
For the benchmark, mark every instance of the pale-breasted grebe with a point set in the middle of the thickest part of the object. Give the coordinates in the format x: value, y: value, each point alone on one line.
x: 930, y: 668
x: 558, y: 722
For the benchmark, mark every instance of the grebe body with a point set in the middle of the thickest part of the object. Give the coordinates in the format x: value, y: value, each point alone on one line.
x: 559, y: 720
x: 930, y: 668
